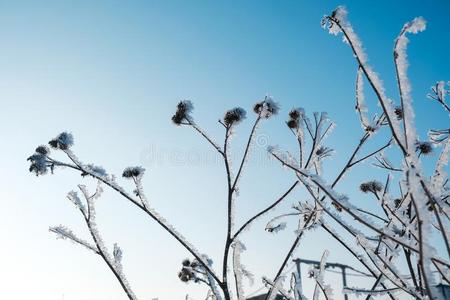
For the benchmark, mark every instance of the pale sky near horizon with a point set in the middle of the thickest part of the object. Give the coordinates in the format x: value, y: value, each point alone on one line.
x: 111, y: 72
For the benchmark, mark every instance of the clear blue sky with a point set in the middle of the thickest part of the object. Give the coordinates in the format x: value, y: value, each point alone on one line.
x: 111, y: 72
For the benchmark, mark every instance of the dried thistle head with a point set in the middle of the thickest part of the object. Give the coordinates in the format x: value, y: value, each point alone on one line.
x: 266, y: 108
x: 188, y: 271
x: 38, y: 164
x: 293, y: 124
x: 371, y: 186
x: 131, y: 172
x: 63, y: 141
x: 186, y: 275
x: 424, y: 148
x: 234, y: 116
x: 398, y: 112
x: 294, y: 114
x: 44, y: 150
x: 184, y: 108
x: 186, y: 262
x: 294, y: 118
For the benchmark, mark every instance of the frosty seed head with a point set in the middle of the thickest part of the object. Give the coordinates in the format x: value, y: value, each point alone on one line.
x: 266, y: 108
x: 194, y: 264
x: 234, y: 116
x: 257, y: 107
x: 293, y: 124
x: 294, y: 114
x: 130, y: 172
x: 44, y: 150
x: 38, y: 164
x: 371, y: 186
x: 185, y: 275
x: 424, y: 148
x: 184, y: 108
x: 63, y: 141
x: 399, y: 112
x: 186, y: 262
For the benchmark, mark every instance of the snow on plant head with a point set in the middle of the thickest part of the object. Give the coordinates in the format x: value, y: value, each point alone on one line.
x: 184, y: 108
x: 234, y: 116
x: 39, y: 165
x: 131, y: 172
x: 63, y: 141
x: 424, y: 148
x: 266, y: 108
x: 190, y: 271
x: 398, y: 112
x: 38, y: 161
x: 295, y: 116
x: 371, y: 186
x: 338, y: 15
x: 44, y: 150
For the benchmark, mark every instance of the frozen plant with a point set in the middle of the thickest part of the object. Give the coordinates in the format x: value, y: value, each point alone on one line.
x: 392, y: 241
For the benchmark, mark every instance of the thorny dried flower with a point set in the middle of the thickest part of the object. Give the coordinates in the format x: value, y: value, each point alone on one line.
x: 257, y: 107
x: 294, y: 118
x: 186, y: 262
x: 188, y: 270
x: 293, y: 124
x: 186, y: 275
x: 398, y: 112
x: 133, y: 172
x: 294, y: 114
x: 424, y: 148
x: 39, y: 164
x: 184, y: 108
x: 234, y: 116
x: 42, y: 150
x: 371, y: 186
x: 63, y: 141
x: 266, y: 108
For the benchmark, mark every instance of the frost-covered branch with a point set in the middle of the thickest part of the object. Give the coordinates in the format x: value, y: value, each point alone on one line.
x: 113, y: 261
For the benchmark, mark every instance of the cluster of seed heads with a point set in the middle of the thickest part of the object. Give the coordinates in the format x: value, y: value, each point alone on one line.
x: 189, y: 271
